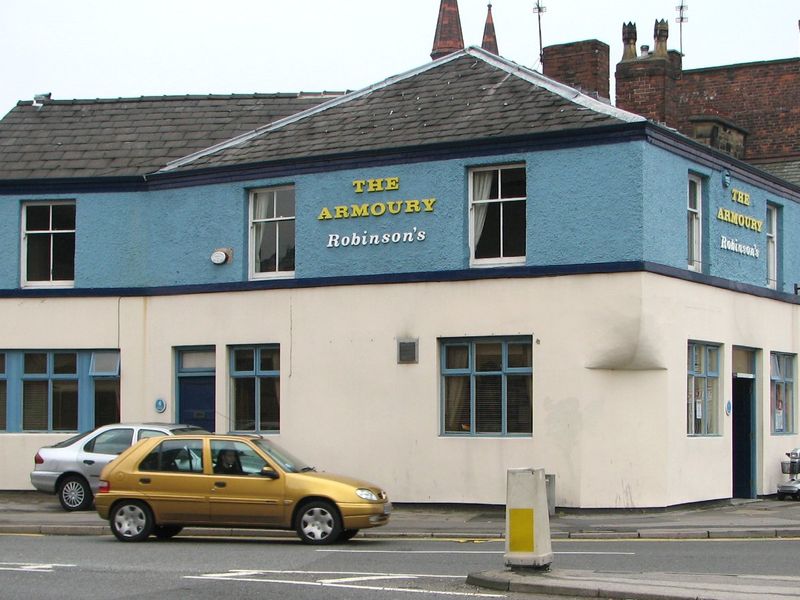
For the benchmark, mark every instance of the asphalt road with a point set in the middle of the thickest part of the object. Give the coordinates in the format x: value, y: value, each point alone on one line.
x: 95, y: 567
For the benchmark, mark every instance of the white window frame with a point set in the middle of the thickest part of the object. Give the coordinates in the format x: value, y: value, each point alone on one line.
x: 254, y: 221
x: 772, y: 246
x: 694, y: 224
x: 51, y: 283
x: 501, y: 260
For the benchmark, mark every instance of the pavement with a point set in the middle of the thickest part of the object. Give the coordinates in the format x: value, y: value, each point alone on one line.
x: 30, y: 512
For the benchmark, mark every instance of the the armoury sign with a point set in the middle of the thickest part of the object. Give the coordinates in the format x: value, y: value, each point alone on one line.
x: 380, y: 208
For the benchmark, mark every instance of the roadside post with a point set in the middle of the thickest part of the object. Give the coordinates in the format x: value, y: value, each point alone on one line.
x: 527, y: 520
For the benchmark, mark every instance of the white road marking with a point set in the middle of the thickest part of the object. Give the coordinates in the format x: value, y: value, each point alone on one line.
x: 31, y: 567
x: 366, y: 578
x: 341, y: 582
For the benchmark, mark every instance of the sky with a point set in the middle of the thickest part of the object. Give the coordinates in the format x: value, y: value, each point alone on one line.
x: 124, y: 48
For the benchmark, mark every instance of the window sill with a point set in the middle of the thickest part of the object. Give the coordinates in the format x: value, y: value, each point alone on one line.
x: 488, y: 263
x: 270, y: 276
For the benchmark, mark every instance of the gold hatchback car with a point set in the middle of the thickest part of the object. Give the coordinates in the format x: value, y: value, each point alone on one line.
x: 160, y: 485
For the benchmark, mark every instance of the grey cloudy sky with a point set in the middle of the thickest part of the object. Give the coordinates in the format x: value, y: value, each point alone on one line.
x: 122, y: 48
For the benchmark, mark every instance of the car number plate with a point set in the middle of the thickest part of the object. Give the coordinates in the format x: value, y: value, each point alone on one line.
x: 387, y: 508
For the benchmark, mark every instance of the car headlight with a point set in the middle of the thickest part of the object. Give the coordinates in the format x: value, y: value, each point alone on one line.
x: 366, y: 494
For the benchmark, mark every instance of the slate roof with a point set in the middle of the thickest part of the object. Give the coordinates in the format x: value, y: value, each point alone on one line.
x: 130, y: 136
x: 468, y: 95
x: 787, y: 169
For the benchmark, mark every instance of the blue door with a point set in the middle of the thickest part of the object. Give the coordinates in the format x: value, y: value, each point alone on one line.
x: 196, y: 401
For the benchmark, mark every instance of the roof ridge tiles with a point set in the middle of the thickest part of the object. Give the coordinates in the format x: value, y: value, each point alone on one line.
x: 183, y: 97
x: 510, y: 67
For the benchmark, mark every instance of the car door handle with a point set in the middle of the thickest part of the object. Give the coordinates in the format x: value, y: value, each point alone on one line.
x: 88, y: 462
x: 220, y: 484
x: 144, y: 480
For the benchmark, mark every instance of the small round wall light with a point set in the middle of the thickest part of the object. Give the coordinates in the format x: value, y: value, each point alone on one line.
x: 220, y: 256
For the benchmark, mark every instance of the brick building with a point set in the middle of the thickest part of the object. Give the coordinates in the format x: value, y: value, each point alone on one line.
x: 750, y: 111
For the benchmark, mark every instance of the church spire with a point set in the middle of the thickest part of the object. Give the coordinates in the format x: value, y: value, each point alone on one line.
x: 448, y: 38
x: 489, y: 38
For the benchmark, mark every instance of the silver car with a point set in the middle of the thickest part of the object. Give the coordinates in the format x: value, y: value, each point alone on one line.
x: 72, y: 468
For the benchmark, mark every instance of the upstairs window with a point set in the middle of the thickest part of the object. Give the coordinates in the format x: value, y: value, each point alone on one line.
x: 272, y: 236
x: 48, y: 244
x: 772, y: 246
x: 497, y: 215
x: 694, y: 224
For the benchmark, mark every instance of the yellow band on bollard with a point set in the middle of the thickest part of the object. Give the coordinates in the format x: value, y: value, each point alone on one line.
x: 521, y: 530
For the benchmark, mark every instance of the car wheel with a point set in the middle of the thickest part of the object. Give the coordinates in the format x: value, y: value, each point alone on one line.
x: 165, y: 532
x: 318, y: 522
x: 131, y: 521
x: 781, y: 496
x: 347, y: 534
x: 74, y: 493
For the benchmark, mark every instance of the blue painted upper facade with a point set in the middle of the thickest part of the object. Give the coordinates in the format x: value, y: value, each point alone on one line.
x: 622, y: 202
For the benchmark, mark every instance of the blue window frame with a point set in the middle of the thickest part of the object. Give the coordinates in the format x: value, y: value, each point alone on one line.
x: 782, y: 392
x: 50, y: 391
x: 487, y: 386
x: 255, y: 385
x: 702, y: 395
x: 104, y: 373
x: 57, y: 390
x: 3, y: 393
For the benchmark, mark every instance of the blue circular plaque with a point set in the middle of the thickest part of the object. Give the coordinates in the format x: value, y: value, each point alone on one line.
x: 161, y: 406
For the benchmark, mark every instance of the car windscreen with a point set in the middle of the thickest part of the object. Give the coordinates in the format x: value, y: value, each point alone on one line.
x: 285, y: 459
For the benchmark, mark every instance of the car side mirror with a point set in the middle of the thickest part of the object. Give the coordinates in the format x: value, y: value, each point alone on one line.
x: 269, y: 473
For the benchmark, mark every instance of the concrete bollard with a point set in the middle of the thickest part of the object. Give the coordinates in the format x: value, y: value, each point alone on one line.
x: 527, y: 520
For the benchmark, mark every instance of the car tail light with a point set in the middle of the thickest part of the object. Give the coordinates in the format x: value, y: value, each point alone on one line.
x: 38, y: 460
x: 104, y: 488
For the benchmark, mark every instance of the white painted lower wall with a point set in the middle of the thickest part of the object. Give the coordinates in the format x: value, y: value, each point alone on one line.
x: 609, y: 378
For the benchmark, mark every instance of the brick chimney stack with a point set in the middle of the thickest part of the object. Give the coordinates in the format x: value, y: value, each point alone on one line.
x: 647, y: 84
x: 582, y: 65
x: 448, y: 37
x: 489, y: 38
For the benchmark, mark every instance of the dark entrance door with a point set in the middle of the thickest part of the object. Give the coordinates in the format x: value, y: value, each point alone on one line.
x: 196, y: 401
x: 744, y: 481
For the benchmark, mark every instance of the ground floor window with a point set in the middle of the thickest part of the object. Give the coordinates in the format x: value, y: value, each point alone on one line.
x: 255, y: 385
x: 487, y: 386
x: 3, y: 403
x: 702, y: 397
x: 782, y: 392
x: 57, y: 390
x: 104, y: 370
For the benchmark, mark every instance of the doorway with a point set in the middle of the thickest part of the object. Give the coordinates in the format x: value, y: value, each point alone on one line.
x: 197, y: 387
x: 744, y: 424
